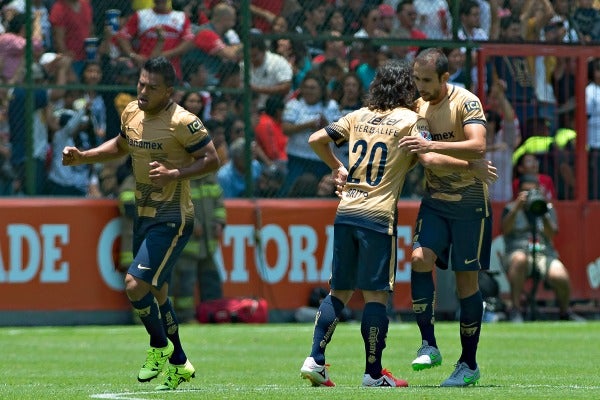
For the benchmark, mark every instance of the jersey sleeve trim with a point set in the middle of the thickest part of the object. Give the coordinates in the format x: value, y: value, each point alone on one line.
x: 199, y: 145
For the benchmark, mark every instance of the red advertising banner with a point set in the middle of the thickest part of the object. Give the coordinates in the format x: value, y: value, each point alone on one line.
x: 58, y: 255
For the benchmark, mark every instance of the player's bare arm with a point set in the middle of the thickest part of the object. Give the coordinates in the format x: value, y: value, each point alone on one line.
x: 470, y: 149
x: 206, y: 160
x: 320, y: 143
x: 109, y: 150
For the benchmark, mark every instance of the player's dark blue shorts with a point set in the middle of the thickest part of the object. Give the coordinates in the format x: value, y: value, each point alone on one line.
x: 470, y: 240
x: 362, y: 259
x: 156, y: 249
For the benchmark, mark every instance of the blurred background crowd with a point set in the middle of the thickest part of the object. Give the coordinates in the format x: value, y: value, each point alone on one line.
x: 75, y: 63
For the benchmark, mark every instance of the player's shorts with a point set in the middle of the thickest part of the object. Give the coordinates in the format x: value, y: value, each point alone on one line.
x: 362, y: 259
x: 156, y: 249
x: 462, y: 244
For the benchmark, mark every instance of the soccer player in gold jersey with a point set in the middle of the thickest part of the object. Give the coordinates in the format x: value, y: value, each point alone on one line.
x: 455, y: 218
x: 365, y: 239
x: 168, y: 146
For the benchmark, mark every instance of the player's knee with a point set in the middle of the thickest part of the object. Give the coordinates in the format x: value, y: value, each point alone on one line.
x: 421, y: 261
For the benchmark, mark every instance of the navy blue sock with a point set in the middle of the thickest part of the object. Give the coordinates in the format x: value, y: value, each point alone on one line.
x: 171, y: 324
x: 327, y: 318
x: 374, y: 328
x: 471, y: 313
x: 147, y: 309
x: 423, y: 297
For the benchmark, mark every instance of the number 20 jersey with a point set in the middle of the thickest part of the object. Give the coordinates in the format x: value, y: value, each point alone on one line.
x: 377, y: 167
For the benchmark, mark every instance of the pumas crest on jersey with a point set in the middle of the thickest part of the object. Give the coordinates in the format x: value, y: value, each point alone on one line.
x: 195, y: 126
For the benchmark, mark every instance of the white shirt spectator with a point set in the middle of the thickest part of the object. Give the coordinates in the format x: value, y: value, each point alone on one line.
x: 274, y: 70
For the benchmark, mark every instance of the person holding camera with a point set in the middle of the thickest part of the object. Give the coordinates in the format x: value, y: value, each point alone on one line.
x: 529, y: 224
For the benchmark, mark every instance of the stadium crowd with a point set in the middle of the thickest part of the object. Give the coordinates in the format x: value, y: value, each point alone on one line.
x: 300, y: 82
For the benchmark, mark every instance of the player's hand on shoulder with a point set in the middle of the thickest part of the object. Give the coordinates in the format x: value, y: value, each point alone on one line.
x: 483, y: 170
x: 415, y: 144
x: 160, y: 175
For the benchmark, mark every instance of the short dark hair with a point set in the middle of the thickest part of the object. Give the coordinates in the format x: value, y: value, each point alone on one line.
x: 163, y: 67
x: 436, y: 57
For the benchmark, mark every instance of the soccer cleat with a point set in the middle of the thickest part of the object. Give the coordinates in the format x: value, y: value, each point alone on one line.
x: 177, y: 374
x: 155, y: 361
x: 462, y: 376
x: 315, y: 373
x: 427, y: 357
x: 387, y: 379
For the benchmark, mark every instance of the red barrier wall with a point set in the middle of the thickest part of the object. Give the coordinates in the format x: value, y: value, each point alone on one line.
x: 57, y: 255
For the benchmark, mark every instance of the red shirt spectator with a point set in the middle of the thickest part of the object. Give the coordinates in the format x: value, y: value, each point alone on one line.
x: 264, y: 12
x: 268, y: 132
x: 158, y: 26
x: 71, y: 23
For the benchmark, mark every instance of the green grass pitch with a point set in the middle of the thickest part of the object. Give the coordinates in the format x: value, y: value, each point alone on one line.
x: 538, y: 360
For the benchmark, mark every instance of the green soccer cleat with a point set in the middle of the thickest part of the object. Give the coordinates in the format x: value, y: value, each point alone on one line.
x: 427, y: 357
x: 177, y: 374
x: 155, y: 361
x: 462, y: 376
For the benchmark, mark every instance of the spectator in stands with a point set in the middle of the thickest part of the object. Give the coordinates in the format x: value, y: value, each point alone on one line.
x: 470, y: 22
x: 371, y: 24
x: 456, y: 67
x: 270, y: 181
x: 564, y: 9
x: 156, y: 31
x: 193, y: 102
x: 371, y: 56
x: 335, y: 20
x: 516, y: 72
x: 592, y: 102
x: 216, y: 43
x: 518, y: 225
x: 528, y: 164
x: 268, y: 132
x: 406, y: 13
x: 7, y: 172
x: 264, y: 13
x: 38, y: 10
x: 311, y: 23
x: 503, y: 136
x: 270, y: 73
x: 352, y: 93
x: 101, y: 6
x: 388, y: 18
x: 232, y: 175
x: 308, y: 112
x: 434, y: 18
x: 586, y: 19
x: 92, y: 76
x: 195, y: 78
x: 296, y: 53
x: 71, y: 24
x: 334, y: 50
x: 55, y: 70
x: 351, y: 12
x: 75, y: 129
x: 535, y: 15
x: 12, y: 48
x: 122, y: 72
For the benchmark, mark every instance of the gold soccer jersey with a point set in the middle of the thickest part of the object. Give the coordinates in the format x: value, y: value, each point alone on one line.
x: 169, y: 138
x: 455, y: 194
x: 377, y: 167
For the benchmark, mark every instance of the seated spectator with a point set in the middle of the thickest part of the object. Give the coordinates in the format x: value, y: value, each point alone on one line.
x: 308, y: 112
x: 311, y: 20
x: 268, y: 132
x: 270, y: 180
x: 586, y: 18
x: 456, y: 67
x: 270, y: 74
x: 215, y: 43
x: 92, y: 76
x: 232, y: 175
x: 156, y: 31
x: 519, y: 224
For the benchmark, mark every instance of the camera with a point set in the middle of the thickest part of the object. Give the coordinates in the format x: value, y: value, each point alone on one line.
x: 536, y: 203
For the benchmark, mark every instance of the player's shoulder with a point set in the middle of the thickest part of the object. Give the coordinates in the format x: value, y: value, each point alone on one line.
x: 130, y: 110
x: 182, y: 117
x: 462, y: 95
